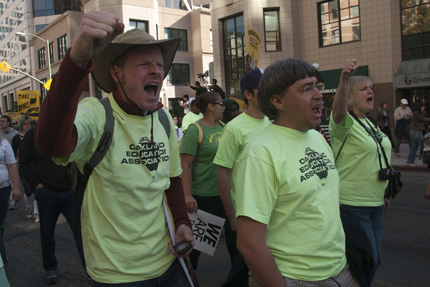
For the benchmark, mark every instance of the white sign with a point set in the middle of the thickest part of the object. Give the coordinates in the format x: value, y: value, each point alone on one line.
x: 206, y: 230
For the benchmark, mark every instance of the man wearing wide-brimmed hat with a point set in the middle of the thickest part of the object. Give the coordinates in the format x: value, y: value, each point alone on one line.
x: 124, y: 231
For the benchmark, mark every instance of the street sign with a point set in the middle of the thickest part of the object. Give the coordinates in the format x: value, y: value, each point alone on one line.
x: 4, y: 66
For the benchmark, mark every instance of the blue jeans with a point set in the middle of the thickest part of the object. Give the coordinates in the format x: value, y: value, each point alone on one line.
x: 417, y: 144
x: 173, y: 277
x: 367, y: 220
x: 4, y: 205
x: 51, y: 204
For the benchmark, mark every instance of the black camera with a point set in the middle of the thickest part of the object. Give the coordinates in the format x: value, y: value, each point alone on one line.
x: 386, y: 174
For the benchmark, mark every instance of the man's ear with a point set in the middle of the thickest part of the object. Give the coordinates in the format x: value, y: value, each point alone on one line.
x: 278, y: 102
x: 247, y: 95
x: 115, y: 72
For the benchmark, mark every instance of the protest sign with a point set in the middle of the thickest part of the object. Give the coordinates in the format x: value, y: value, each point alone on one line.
x: 206, y: 230
x: 29, y: 104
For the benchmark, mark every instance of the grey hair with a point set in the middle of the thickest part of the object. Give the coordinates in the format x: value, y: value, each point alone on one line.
x: 354, y: 83
x: 276, y: 80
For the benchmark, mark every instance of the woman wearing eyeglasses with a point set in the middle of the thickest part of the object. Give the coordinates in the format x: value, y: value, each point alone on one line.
x: 359, y: 147
x: 199, y: 173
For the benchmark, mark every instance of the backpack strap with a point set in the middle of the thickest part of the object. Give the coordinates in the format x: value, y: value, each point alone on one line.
x: 199, y: 133
x: 82, y: 179
x: 105, y: 139
x: 162, y: 116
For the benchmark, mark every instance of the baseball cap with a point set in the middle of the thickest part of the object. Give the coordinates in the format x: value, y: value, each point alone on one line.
x: 404, y: 101
x: 251, y: 79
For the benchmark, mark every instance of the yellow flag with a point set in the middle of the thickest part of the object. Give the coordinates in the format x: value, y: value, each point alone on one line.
x: 47, y: 85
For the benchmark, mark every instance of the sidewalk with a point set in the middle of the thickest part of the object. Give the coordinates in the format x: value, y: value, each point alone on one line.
x: 399, y: 162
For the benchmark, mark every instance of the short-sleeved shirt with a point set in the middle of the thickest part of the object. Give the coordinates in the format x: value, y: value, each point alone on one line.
x: 189, y: 119
x: 236, y: 134
x: 6, y: 157
x: 124, y: 231
x: 205, y: 172
x: 287, y: 180
x: 358, y: 162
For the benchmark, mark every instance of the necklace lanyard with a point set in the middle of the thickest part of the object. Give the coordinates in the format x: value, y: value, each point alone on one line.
x: 375, y: 138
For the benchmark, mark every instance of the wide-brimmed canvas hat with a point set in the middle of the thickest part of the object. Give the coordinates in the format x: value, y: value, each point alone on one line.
x: 124, y: 42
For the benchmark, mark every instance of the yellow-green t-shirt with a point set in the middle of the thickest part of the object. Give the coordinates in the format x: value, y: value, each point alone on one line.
x: 236, y: 134
x: 286, y: 179
x: 190, y: 118
x: 358, y: 163
x: 124, y: 231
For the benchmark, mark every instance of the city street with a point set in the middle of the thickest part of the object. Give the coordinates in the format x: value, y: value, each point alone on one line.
x: 405, y: 246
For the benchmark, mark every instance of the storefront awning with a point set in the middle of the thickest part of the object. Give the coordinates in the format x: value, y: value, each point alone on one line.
x: 331, y: 78
x: 412, y: 74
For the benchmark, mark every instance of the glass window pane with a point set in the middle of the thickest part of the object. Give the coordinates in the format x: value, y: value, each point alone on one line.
x: 348, y: 33
x: 271, y: 20
x: 325, y: 18
x: 426, y: 38
x: 324, y: 7
x: 410, y: 41
x: 344, y: 4
x: 334, y: 15
x: 230, y: 28
x: 240, y: 27
x: 412, y: 54
x: 353, y: 3
x: 344, y: 14
x: 355, y: 12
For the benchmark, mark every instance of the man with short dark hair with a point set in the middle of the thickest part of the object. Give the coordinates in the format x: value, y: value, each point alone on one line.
x: 287, y: 188
x: 191, y: 117
x: 8, y: 133
x: 6, y: 128
x: 236, y: 134
x: 199, y: 89
x: 124, y: 232
x: 51, y: 186
x: 185, y: 103
x: 217, y: 89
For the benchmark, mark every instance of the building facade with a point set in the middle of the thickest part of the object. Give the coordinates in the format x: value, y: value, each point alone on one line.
x: 23, y: 52
x: 389, y: 38
x: 188, y: 20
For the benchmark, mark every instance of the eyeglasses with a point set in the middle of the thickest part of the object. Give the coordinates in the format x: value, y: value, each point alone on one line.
x: 221, y: 104
x: 310, y: 87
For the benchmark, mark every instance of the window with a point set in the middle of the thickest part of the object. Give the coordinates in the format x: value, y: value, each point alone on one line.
x: 62, y: 46
x: 415, y: 29
x: 272, y: 35
x: 41, y: 57
x: 51, y: 53
x: 43, y: 90
x: 170, y: 33
x: 339, y: 22
x: 234, y: 53
x: 49, y: 7
x: 40, y: 27
x: 212, y: 41
x: 139, y: 24
x: 179, y: 75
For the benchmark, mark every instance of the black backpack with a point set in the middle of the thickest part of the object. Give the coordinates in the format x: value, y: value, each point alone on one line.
x: 79, y: 180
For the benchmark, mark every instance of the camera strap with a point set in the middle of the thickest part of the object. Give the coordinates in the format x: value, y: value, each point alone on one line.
x: 373, y: 136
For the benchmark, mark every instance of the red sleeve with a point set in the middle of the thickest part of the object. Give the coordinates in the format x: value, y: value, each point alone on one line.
x: 55, y: 134
x: 176, y: 200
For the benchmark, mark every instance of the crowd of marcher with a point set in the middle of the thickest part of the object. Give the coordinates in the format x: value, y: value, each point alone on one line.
x: 299, y: 211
